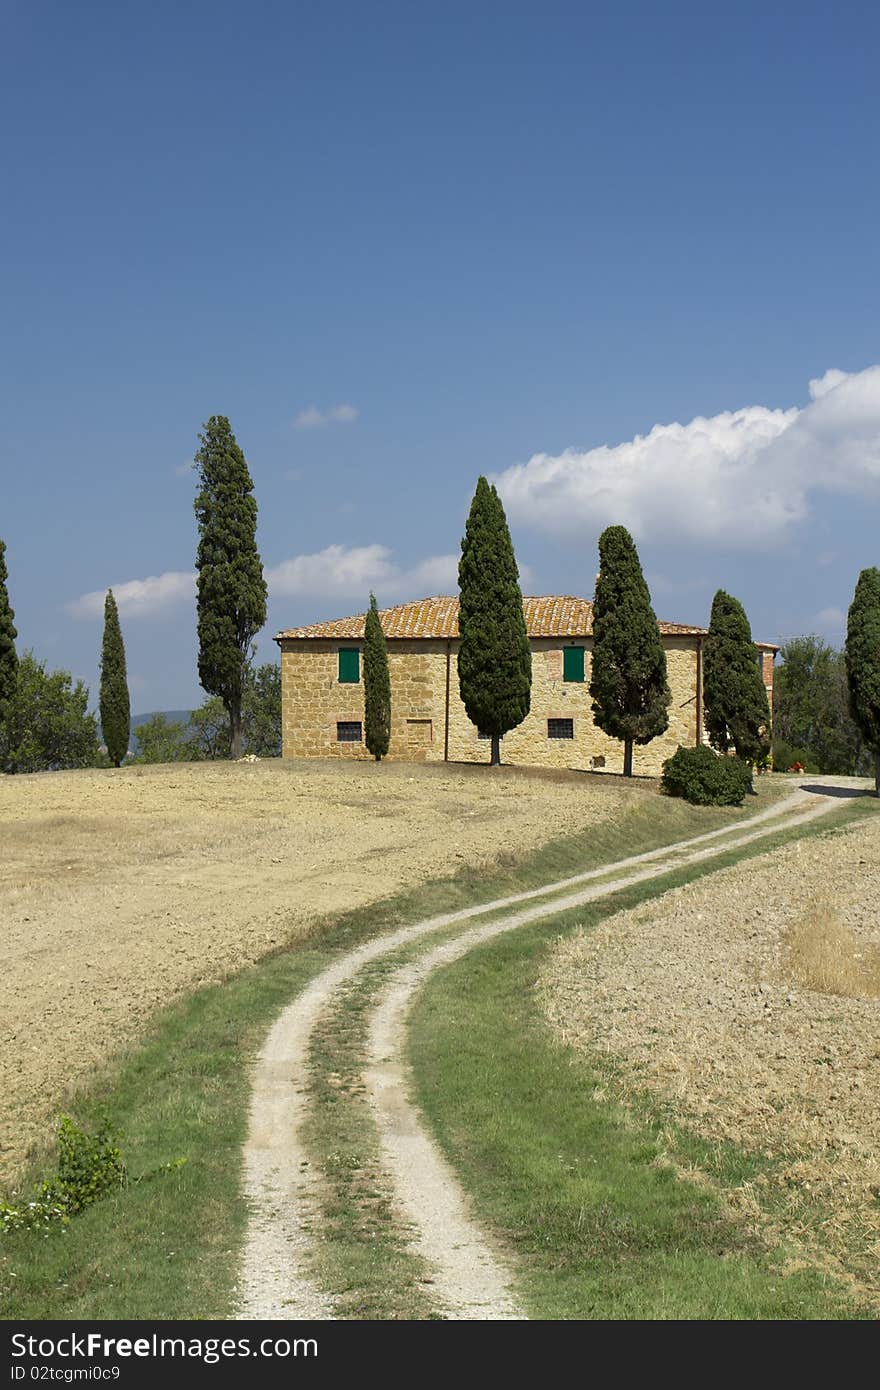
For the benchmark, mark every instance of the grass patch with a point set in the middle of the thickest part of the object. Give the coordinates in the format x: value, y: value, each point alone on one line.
x: 170, y: 1248
x: 598, y: 1222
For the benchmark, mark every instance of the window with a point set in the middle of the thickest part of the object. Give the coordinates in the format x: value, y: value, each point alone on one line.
x: 349, y: 665
x: 349, y: 731
x: 573, y: 663
x: 560, y: 728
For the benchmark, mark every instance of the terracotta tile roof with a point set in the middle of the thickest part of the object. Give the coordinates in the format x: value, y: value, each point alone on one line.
x: 438, y: 617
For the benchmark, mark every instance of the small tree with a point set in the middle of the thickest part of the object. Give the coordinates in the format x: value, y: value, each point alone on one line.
x: 231, y: 599
x: 8, y: 634
x: 208, y: 730
x: 812, y: 722
x: 47, y: 725
x: 863, y: 662
x: 628, y: 683
x: 113, y: 701
x: 163, y: 740
x: 262, y: 710
x: 377, y: 685
x: 494, y: 656
x: 736, y: 711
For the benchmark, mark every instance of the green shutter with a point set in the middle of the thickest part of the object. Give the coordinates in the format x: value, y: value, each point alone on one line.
x: 573, y: 664
x: 349, y: 664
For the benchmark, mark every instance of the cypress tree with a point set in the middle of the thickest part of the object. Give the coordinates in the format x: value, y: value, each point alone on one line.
x: 377, y: 685
x: 231, y: 591
x: 113, y: 701
x: 863, y: 662
x: 736, y: 711
x: 628, y: 678
x: 494, y: 656
x: 8, y: 634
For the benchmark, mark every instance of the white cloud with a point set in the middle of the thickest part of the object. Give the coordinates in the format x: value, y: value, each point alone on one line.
x: 138, y: 598
x: 312, y: 418
x: 438, y: 575
x: 741, y: 479
x: 351, y: 572
x: 335, y: 570
x: 338, y: 571
x: 821, y: 385
x: 830, y: 620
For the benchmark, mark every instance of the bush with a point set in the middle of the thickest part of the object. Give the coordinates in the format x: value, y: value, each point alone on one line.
x: 705, y: 779
x: 162, y: 740
x: 90, y: 1166
x: 47, y: 725
x: 785, y: 755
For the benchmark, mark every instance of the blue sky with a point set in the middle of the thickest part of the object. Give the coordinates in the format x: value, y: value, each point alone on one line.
x: 400, y: 245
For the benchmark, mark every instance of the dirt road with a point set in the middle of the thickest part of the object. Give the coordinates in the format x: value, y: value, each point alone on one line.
x: 469, y: 1280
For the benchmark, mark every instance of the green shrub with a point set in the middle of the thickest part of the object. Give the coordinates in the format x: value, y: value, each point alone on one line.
x: 89, y: 1166
x: 785, y: 755
x: 705, y: 779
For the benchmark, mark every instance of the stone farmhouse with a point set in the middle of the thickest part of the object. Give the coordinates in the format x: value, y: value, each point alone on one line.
x: 322, y: 689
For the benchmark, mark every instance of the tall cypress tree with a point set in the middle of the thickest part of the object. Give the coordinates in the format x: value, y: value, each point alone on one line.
x: 113, y: 702
x: 628, y: 678
x: 736, y: 710
x: 377, y: 685
x: 494, y: 656
x: 8, y: 634
x: 863, y: 662
x: 231, y: 600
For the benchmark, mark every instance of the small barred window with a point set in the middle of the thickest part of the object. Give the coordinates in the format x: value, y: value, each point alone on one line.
x: 560, y: 728
x: 349, y: 731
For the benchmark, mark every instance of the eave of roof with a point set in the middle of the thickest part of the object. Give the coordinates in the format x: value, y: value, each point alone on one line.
x: 546, y: 616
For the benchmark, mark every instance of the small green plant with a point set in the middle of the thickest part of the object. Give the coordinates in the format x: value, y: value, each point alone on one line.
x: 705, y: 779
x: 89, y: 1167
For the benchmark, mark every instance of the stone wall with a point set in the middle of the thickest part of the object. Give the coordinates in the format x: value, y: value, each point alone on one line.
x: 314, y: 701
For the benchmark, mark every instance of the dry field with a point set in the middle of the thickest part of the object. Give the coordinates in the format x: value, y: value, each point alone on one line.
x: 120, y: 890
x: 750, y: 1001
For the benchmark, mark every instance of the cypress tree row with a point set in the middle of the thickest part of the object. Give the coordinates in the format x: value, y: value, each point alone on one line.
x: 231, y: 601
x: 628, y: 683
x: 377, y: 685
x: 8, y: 634
x: 113, y: 703
x: 494, y: 657
x: 863, y: 662
x: 736, y: 711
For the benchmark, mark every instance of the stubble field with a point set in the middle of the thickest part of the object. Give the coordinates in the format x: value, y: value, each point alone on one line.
x: 122, y: 890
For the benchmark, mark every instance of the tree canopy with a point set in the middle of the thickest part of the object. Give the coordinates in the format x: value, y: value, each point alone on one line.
x: 47, y: 725
x: 8, y: 634
x: 736, y: 710
x: 494, y: 656
x: 207, y: 734
x: 377, y: 685
x: 863, y: 662
x: 812, y: 722
x: 114, y: 707
x: 628, y: 684
x: 231, y: 591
